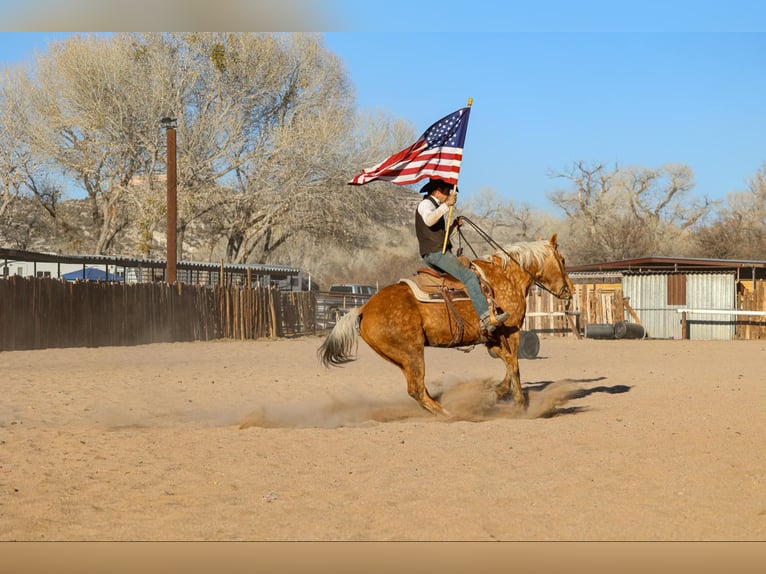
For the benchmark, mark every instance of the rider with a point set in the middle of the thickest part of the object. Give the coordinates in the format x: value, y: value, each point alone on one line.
x: 430, y: 228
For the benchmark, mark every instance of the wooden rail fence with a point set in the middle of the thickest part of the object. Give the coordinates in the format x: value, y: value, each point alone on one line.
x: 39, y: 313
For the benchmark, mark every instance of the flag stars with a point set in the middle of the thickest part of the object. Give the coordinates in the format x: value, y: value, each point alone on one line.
x: 436, y: 153
x: 445, y: 132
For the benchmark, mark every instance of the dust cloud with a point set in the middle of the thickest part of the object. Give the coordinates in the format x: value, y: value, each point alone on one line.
x: 473, y: 401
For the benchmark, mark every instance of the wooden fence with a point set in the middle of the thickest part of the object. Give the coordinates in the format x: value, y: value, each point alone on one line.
x: 754, y: 299
x: 550, y: 315
x: 39, y: 313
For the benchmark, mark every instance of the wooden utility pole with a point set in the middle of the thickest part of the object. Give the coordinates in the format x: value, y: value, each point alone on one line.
x: 172, y: 253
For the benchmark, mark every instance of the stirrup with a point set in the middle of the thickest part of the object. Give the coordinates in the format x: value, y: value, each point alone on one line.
x: 491, y: 321
x: 500, y: 319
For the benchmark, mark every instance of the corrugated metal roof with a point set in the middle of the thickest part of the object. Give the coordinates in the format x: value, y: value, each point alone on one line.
x: 31, y: 256
x: 669, y: 263
x: 676, y: 272
x: 594, y: 275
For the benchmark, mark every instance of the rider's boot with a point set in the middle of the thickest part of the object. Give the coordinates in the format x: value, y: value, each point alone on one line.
x: 490, y: 322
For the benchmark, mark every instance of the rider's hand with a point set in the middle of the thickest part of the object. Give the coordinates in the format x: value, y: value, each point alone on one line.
x: 451, y: 199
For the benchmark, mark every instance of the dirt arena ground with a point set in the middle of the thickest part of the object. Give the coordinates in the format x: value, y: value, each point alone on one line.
x: 624, y: 440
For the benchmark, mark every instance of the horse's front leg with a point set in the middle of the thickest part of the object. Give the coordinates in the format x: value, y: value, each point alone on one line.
x: 507, y: 348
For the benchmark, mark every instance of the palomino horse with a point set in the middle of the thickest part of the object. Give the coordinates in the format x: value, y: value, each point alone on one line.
x: 397, y: 326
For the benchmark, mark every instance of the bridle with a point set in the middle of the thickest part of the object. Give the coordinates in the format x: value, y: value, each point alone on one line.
x: 563, y: 293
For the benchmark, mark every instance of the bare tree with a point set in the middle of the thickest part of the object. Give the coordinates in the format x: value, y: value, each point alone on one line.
x: 18, y: 165
x: 29, y: 196
x: 265, y: 140
x: 291, y: 108
x: 505, y: 220
x: 629, y: 212
x: 91, y: 112
x: 739, y: 229
x: 266, y: 130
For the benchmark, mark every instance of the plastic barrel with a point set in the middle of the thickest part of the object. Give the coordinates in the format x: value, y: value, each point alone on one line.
x: 529, y: 345
x: 599, y: 331
x: 625, y: 330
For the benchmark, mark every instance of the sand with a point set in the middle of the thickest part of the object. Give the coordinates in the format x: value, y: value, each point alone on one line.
x: 623, y: 440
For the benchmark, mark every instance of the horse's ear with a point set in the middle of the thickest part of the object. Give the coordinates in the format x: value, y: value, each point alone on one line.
x: 554, y: 240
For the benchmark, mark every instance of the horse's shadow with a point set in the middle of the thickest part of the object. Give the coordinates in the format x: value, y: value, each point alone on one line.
x: 542, y: 387
x: 476, y: 399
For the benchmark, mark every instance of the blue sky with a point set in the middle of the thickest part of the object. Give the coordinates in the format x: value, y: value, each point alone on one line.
x: 555, y: 83
x: 543, y: 101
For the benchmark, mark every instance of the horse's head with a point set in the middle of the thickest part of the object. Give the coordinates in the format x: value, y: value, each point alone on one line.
x: 552, y: 274
x: 542, y: 263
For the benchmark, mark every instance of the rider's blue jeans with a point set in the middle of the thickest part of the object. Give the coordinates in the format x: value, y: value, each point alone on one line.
x: 449, y: 263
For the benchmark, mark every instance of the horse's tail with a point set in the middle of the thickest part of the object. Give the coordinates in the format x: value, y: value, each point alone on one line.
x: 337, y: 348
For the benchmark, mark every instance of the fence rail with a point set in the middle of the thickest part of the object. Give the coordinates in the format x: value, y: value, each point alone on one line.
x: 39, y: 313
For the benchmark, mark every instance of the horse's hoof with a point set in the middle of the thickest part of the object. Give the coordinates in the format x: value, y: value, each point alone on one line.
x: 437, y: 410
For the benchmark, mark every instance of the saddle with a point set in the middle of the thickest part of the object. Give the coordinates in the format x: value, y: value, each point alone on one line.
x: 431, y: 286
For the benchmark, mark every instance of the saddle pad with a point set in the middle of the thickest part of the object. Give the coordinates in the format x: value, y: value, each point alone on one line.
x: 433, y: 296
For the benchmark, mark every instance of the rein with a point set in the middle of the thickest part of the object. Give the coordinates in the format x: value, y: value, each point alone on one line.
x: 486, y: 237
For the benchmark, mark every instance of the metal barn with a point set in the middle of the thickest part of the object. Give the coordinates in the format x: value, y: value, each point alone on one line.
x: 657, y: 298
x: 677, y: 297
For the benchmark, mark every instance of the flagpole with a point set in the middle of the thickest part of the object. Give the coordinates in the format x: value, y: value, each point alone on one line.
x: 451, y: 207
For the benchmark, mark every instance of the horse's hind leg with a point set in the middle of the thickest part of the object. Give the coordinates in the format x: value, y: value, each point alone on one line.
x: 414, y: 371
x: 413, y: 365
x: 392, y: 326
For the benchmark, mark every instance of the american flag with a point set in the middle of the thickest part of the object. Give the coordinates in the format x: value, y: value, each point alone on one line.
x: 437, y: 153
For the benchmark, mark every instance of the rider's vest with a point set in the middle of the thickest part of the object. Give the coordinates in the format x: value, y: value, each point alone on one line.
x: 430, y: 239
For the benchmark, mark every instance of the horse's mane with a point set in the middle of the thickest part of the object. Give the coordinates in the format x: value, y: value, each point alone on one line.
x: 525, y: 253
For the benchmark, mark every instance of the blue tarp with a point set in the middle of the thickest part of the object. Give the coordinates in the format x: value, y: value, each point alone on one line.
x: 90, y: 274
